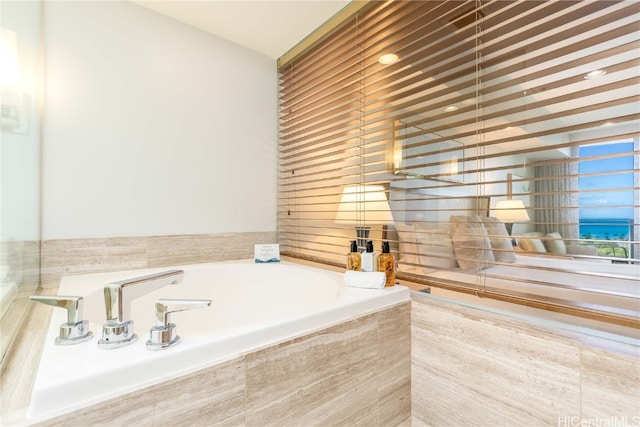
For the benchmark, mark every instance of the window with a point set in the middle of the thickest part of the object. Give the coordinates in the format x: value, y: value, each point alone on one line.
x: 487, y: 106
x: 606, y: 198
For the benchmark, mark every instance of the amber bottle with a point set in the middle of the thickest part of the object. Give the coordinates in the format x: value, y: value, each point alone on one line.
x: 354, y: 260
x: 387, y: 264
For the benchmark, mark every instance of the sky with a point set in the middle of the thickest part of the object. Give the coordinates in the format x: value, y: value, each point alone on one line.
x: 600, y: 204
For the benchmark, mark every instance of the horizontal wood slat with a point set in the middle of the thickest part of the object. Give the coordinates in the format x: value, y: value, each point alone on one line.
x: 521, y: 115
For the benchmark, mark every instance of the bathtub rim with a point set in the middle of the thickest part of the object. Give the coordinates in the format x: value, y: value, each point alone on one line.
x: 393, y: 296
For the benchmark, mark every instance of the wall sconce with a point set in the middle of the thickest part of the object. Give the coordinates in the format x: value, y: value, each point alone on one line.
x: 396, y: 155
x: 11, y: 96
x: 363, y: 206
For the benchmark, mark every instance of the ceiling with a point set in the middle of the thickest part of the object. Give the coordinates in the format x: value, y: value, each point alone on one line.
x: 270, y: 27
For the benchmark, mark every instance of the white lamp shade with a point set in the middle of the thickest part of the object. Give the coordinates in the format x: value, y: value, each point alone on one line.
x: 511, y: 211
x: 364, y: 204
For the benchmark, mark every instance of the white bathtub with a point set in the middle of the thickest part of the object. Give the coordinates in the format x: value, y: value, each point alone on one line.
x: 253, y: 306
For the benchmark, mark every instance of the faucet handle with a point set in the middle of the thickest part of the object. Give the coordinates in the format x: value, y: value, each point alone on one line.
x: 76, y: 329
x: 163, y: 335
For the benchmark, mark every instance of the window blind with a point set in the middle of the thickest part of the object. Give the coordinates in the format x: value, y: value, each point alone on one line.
x: 524, y: 111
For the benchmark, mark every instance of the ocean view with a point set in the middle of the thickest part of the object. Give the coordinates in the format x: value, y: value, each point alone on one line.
x: 605, y: 229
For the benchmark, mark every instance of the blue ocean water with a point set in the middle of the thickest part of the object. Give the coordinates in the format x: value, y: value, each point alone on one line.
x: 603, y: 229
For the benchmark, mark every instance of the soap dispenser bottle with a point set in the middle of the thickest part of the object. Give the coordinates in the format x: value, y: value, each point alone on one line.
x: 369, y: 258
x: 354, y: 260
x: 387, y: 264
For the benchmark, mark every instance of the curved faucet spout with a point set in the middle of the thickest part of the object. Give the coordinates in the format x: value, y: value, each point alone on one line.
x: 118, y: 330
x: 118, y: 295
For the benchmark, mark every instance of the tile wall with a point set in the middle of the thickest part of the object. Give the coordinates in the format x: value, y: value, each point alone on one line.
x: 84, y: 256
x: 23, y: 258
x: 474, y: 367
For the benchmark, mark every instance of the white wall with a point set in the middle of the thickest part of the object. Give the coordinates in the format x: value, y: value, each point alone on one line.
x: 152, y: 127
x: 20, y: 150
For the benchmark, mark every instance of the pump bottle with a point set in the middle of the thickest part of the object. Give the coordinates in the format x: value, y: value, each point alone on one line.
x: 387, y: 264
x: 369, y: 258
x: 354, y: 260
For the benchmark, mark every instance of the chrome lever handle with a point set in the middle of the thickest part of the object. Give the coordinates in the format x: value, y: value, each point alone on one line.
x: 164, y: 307
x: 163, y: 335
x: 76, y: 329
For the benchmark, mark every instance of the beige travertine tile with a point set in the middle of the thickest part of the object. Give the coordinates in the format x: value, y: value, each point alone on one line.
x: 13, y: 318
x: 415, y: 422
x: 394, y: 364
x: 610, y: 385
x: 131, y: 409
x: 353, y: 402
x: 30, y: 265
x: 473, y: 367
x: 209, y: 397
x: 23, y: 258
x: 326, y: 378
x: 21, y: 364
x: 83, y: 256
x: 213, y: 396
x: 190, y: 249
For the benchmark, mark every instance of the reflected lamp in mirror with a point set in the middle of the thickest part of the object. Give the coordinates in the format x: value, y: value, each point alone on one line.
x: 11, y: 96
x: 363, y: 206
x: 510, y: 211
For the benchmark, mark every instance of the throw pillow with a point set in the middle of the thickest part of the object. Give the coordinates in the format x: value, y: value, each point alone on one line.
x: 500, y: 240
x: 555, y: 244
x: 532, y: 245
x: 434, y: 245
x: 471, y: 243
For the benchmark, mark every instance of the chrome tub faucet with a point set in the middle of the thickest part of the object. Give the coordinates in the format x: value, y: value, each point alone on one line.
x: 76, y: 329
x: 118, y: 330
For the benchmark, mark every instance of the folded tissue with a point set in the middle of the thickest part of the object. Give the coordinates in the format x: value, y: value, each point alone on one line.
x: 361, y: 279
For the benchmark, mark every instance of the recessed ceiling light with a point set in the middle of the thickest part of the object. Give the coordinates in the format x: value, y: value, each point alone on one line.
x: 595, y: 73
x: 451, y: 108
x: 388, y: 58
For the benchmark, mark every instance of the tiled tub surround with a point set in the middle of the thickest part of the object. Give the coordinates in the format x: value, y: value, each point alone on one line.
x: 472, y: 366
x: 66, y: 257
x: 19, y: 270
x: 353, y: 373
x: 607, y: 372
x: 254, y: 306
x: 56, y: 258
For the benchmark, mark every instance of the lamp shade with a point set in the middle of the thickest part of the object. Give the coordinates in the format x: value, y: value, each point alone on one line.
x: 364, y: 204
x: 510, y: 211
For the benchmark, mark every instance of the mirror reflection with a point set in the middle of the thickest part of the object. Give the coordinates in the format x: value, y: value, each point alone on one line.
x: 506, y: 137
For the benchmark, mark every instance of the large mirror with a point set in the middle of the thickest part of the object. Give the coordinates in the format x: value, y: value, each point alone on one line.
x: 20, y: 162
x: 505, y: 135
